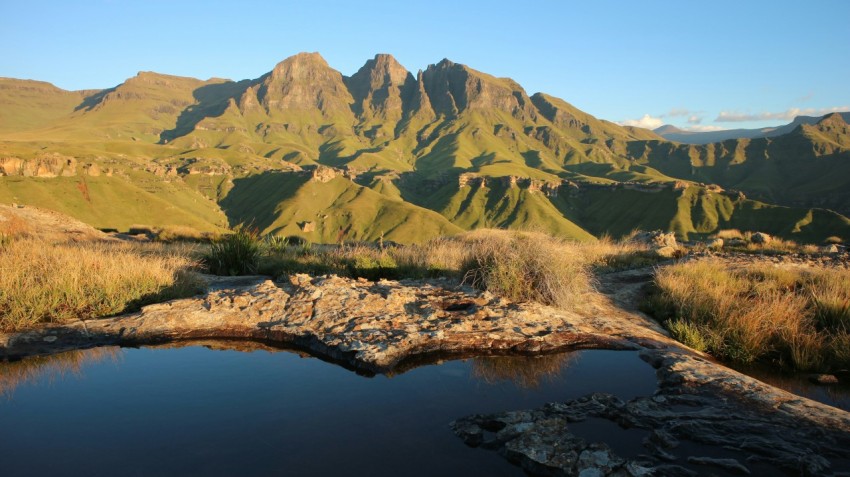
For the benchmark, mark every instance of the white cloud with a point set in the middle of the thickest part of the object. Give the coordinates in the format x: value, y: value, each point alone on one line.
x: 788, y: 115
x: 647, y: 121
x: 703, y: 128
x: 694, y: 119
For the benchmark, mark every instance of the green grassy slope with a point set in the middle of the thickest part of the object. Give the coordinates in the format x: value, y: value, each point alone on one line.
x: 27, y: 104
x: 113, y: 202
x: 339, y: 210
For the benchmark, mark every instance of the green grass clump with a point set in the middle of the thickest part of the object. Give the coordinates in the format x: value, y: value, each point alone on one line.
x: 797, y: 317
x: 238, y: 253
x: 44, y: 283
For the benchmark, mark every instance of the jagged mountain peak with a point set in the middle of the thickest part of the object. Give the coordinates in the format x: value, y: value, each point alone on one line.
x: 304, y: 81
x: 382, y: 87
x: 299, y: 66
x: 833, y: 119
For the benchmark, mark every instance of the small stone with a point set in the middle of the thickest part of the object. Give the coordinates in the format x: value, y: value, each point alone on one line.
x: 49, y: 339
x: 830, y: 249
x: 823, y: 379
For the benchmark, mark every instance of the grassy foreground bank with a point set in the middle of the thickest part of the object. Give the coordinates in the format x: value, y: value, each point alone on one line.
x: 798, y: 317
x: 45, y: 282
x: 54, y: 283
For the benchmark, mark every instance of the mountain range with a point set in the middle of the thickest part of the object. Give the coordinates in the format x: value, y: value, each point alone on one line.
x: 672, y: 133
x: 305, y: 150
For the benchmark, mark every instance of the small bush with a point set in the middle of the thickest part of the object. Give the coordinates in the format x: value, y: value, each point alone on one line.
x: 275, y: 244
x: 238, y: 253
x: 834, y: 240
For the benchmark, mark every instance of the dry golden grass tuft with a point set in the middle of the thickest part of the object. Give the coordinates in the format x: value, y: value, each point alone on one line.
x: 54, y: 283
x: 797, y: 316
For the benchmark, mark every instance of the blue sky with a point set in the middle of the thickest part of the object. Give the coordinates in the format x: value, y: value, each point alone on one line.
x: 709, y: 64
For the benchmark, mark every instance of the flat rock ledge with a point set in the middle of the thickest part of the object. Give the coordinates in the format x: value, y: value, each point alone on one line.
x: 704, y: 418
x: 367, y: 326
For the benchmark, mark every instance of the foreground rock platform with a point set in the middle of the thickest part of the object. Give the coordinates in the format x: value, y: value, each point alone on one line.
x: 703, y: 419
x: 369, y: 326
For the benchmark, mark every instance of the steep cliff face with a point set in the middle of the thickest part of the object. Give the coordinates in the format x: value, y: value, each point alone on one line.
x: 454, y: 88
x: 305, y: 82
x: 382, y: 89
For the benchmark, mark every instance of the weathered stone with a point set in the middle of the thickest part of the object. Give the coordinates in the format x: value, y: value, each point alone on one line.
x: 656, y: 238
x: 324, y: 174
x: 823, y: 379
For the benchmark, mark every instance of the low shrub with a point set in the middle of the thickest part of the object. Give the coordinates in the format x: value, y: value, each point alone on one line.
x: 238, y: 253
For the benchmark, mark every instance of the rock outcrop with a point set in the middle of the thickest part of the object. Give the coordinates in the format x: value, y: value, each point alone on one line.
x: 753, y: 429
x: 370, y: 326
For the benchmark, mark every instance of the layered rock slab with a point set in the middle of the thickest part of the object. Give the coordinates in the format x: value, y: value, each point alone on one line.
x: 370, y: 326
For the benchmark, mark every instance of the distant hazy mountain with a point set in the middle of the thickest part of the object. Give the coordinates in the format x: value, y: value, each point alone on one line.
x: 305, y: 150
x: 672, y: 133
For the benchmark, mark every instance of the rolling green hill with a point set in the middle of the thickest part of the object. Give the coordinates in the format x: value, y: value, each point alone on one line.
x: 305, y: 150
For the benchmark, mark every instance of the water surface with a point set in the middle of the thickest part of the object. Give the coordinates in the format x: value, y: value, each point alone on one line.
x: 196, y: 411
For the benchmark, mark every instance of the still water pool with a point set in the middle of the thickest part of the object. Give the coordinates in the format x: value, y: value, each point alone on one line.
x: 197, y: 411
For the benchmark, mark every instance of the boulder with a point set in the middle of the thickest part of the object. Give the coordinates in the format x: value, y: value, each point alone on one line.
x: 657, y: 239
x: 716, y: 244
x: 830, y: 249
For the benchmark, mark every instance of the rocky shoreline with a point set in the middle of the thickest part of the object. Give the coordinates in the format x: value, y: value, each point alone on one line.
x: 384, y: 326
